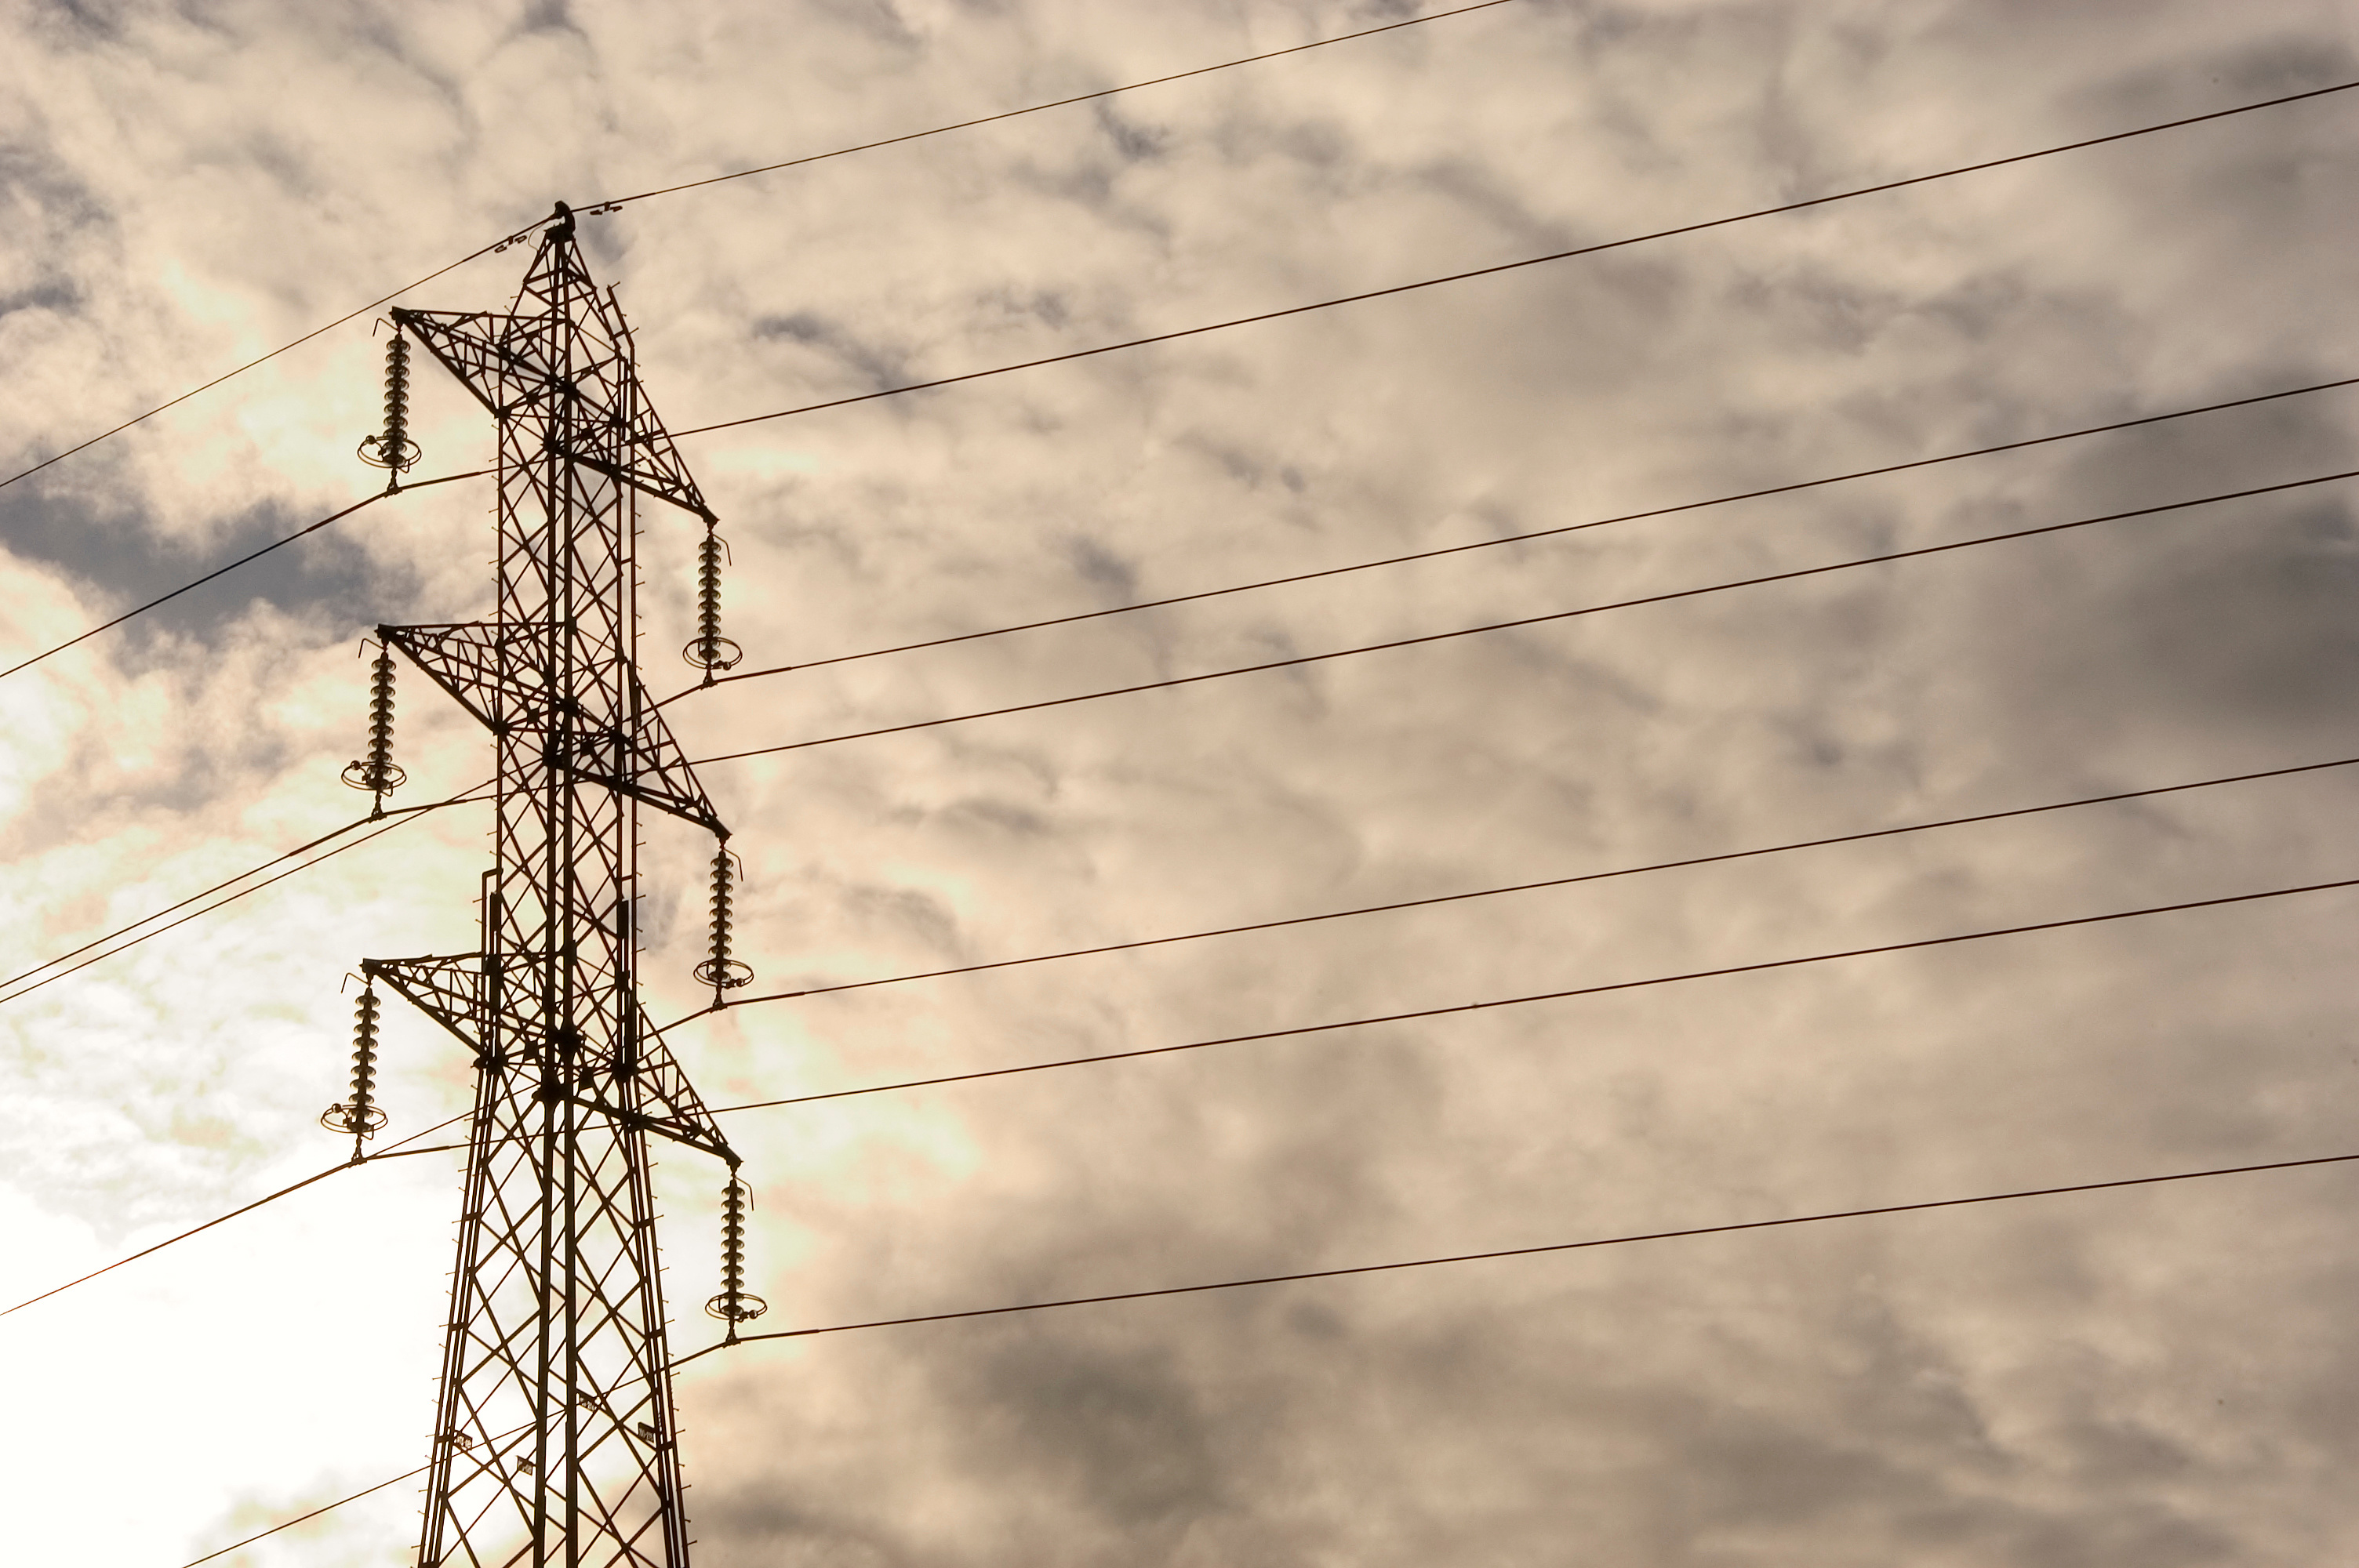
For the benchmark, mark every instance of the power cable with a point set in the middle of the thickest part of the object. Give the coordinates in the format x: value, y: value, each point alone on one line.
x: 404, y: 814
x: 265, y: 359
x: 1566, y: 995
x: 325, y: 1507
x: 1038, y: 108
x: 340, y: 1502
x: 1424, y: 555
x: 1521, y: 538
x: 1432, y: 637
x: 1590, y: 250
x: 393, y: 1151
x: 1594, y: 876
x: 1532, y: 1251
x: 1688, y: 862
x: 242, y: 560
x: 1632, y: 1239
x: 741, y: 174
x: 400, y: 815
x: 1507, y: 1252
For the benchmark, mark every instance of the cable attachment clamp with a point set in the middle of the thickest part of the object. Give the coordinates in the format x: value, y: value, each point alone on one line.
x: 393, y: 450
x: 721, y: 972
x: 376, y: 772
x: 710, y: 651
x: 360, y: 1115
x: 733, y: 1305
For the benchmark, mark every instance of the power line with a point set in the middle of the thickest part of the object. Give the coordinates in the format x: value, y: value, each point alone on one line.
x: 1566, y: 995
x: 1594, y: 876
x: 315, y: 1513
x: 1426, y: 1262
x: 1003, y: 1072
x: 1421, y: 1262
x: 741, y: 174
x: 1054, y: 104
x: 1688, y: 862
x: 1526, y: 538
x: 1533, y: 1251
x: 242, y: 560
x: 185, y: 1234
x: 393, y: 1151
x: 1590, y: 250
x: 340, y: 1502
x: 667, y: 191
x: 404, y: 814
x: 1240, y: 588
x: 1270, y: 582
x: 1177, y: 599
x: 1628, y: 1240
x: 1432, y: 637
x: 283, y: 348
x: 400, y: 815
x: 1185, y: 332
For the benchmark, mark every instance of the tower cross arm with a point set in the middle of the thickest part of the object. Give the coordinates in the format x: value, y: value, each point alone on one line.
x: 591, y: 405
x: 470, y: 344
x: 504, y: 674
x: 664, y: 1101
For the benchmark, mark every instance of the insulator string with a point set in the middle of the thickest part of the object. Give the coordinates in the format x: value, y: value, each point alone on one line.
x: 397, y: 393
x: 376, y: 772
x: 360, y: 1115
x: 393, y: 449
x: 710, y: 651
x: 708, y: 596
x: 721, y: 971
x: 733, y: 1305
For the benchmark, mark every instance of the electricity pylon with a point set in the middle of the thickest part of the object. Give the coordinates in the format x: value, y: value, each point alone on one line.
x: 554, y: 1440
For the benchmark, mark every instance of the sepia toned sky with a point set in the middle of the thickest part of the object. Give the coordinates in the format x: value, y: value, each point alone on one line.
x: 2162, y: 1375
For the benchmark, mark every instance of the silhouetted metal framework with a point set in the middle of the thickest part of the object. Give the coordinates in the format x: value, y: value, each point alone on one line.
x: 554, y: 1438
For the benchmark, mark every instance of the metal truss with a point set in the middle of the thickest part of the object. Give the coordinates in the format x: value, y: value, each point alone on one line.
x: 554, y: 1440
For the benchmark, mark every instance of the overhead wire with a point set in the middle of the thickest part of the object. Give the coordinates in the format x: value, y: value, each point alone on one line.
x: 1375, y: 294
x: 615, y: 202
x: 1684, y: 864
x: 1424, y: 555
x: 399, y: 815
x: 1787, y: 489
x: 1766, y: 491
x: 1626, y: 1240
x: 340, y: 1502
x: 1395, y: 1266
x: 1864, y: 835
x: 324, y: 1507
x: 1589, y: 250
x: 392, y: 1151
x: 266, y: 359
x: 1426, y: 639
x: 248, y: 558
x: 1185, y: 332
x: 1568, y: 993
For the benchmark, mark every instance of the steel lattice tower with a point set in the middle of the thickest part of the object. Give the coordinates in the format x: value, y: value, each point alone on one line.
x: 554, y: 1440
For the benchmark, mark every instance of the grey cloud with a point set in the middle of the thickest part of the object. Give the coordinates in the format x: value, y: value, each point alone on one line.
x: 1114, y: 577
x: 876, y: 367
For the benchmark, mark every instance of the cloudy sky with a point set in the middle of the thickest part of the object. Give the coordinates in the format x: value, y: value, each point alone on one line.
x: 2163, y: 1376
